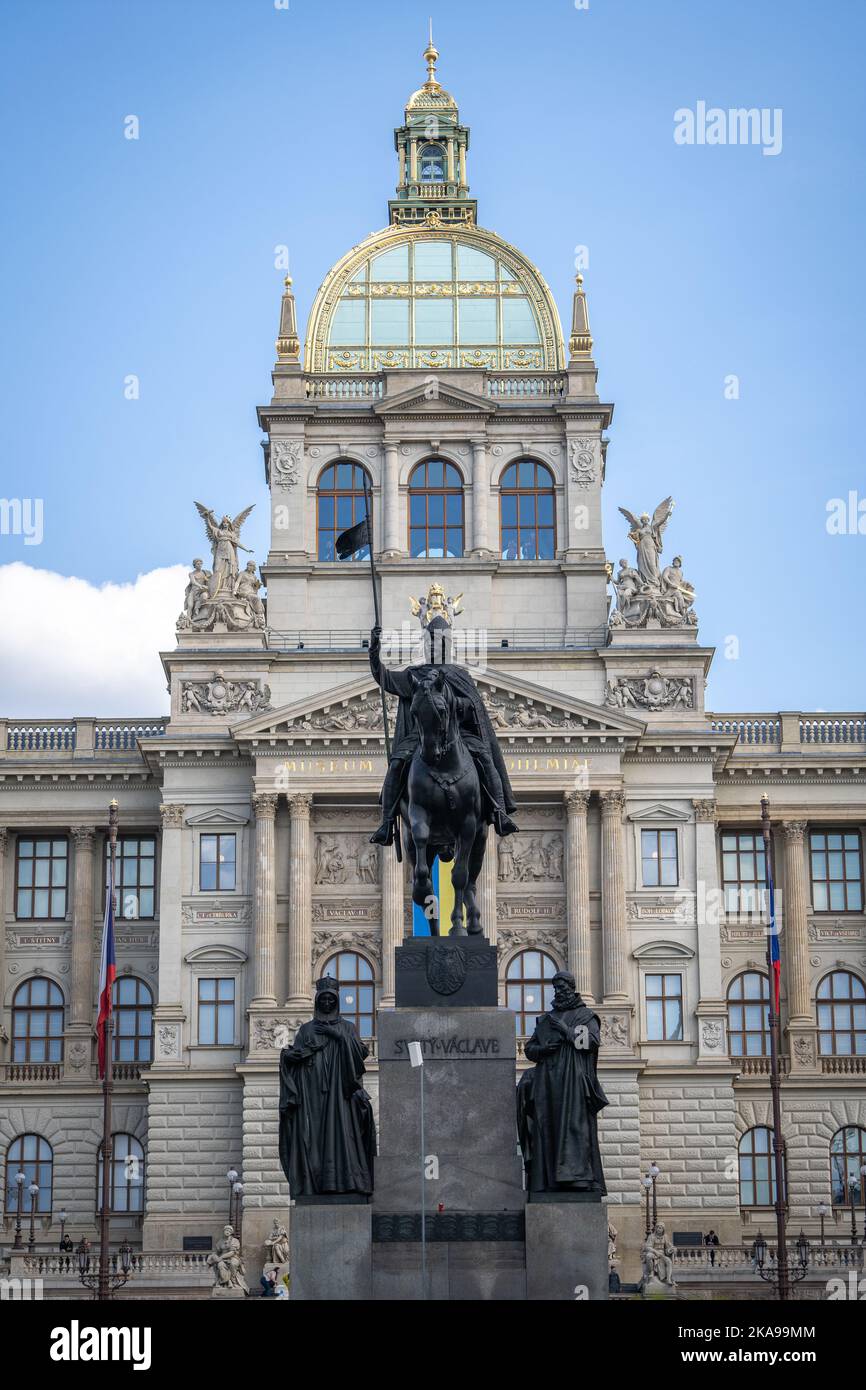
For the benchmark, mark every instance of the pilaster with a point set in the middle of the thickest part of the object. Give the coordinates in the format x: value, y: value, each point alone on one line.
x: 613, y: 897
x: 577, y: 892
x: 300, y: 905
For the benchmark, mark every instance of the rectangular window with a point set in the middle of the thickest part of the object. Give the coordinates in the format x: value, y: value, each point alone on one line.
x: 433, y: 260
x: 216, y: 1013
x: 658, y: 850
x: 135, y: 886
x: 837, y: 871
x: 743, y: 872
x: 348, y: 326
x: 217, y: 863
x: 518, y: 322
x: 41, y: 879
x: 664, y: 1008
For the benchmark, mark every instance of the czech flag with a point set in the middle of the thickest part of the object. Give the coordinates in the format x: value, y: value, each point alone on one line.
x: 443, y: 890
x: 773, y: 953
x: 107, y: 975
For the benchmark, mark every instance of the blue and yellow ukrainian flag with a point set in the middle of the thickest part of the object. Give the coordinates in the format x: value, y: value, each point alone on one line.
x: 443, y: 888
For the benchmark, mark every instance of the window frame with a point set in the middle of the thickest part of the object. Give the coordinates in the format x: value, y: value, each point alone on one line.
x: 14, y: 1166
x: 119, y: 888
x: 535, y: 491
x: 214, y: 1004
x: 755, y: 914
x: 763, y: 1003
x: 32, y: 888
x: 754, y: 1154
x: 358, y: 982
x: 218, y: 835
x: 658, y: 831
x: 845, y: 1153
x: 137, y: 1038
x: 427, y: 492
x: 663, y: 999
x: 831, y: 1001
x: 827, y: 830
x: 113, y: 1209
x: 48, y: 1037
x: 524, y: 981
x: 356, y: 495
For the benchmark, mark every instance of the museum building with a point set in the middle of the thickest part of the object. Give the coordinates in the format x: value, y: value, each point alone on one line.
x: 435, y: 375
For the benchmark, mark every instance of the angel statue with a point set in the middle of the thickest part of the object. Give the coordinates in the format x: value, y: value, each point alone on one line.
x: 225, y: 539
x: 647, y: 537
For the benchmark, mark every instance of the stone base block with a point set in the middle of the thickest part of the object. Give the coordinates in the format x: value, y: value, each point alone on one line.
x: 331, y: 1251
x: 446, y: 972
x: 477, y: 1271
x: 566, y: 1251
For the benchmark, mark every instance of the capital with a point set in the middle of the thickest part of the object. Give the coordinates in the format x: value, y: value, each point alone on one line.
x: 705, y: 810
x: 3, y: 836
x: 794, y: 830
x: 265, y: 805
x: 613, y: 802
x: 576, y: 802
x: 83, y: 836
x: 172, y: 813
x: 299, y: 805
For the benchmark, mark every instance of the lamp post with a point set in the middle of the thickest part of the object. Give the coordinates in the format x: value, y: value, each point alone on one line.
x: 231, y: 1178
x: 863, y: 1195
x: 654, y: 1173
x: 823, y: 1212
x: 33, y: 1189
x: 647, y: 1184
x: 101, y: 1280
x: 20, y: 1180
x: 238, y: 1192
x: 63, y: 1217
x: 852, y: 1190
x: 779, y: 1271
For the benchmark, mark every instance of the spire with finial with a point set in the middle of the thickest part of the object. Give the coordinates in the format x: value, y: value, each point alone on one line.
x: 430, y: 55
x: 288, y: 344
x: 580, y: 342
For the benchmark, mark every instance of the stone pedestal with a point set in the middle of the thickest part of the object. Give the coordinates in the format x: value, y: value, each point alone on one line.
x: 446, y: 972
x: 331, y: 1243
x: 566, y: 1249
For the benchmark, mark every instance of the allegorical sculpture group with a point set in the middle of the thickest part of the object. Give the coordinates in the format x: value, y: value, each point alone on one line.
x: 651, y: 595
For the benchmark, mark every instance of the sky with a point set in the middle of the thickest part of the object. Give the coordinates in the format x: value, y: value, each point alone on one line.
x: 724, y: 285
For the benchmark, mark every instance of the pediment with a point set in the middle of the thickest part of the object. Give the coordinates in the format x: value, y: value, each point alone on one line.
x: 448, y: 399
x: 658, y: 811
x: 217, y: 817
x: 663, y: 950
x: 520, y: 711
x: 216, y: 955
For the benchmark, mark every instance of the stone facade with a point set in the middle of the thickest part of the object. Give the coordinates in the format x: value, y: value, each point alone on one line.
x: 607, y: 742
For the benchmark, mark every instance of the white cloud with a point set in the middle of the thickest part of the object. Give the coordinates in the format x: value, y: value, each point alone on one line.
x: 68, y: 647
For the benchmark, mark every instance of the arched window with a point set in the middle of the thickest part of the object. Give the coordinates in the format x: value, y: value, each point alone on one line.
x: 529, y: 987
x: 842, y: 1015
x: 435, y: 511
x: 33, y: 1156
x: 126, y: 1179
x: 431, y: 164
x: 339, y: 505
x: 37, y: 1021
x: 847, y: 1155
x: 355, y: 976
x: 133, y: 1020
x: 748, y: 1015
x: 758, y: 1168
x: 527, y: 504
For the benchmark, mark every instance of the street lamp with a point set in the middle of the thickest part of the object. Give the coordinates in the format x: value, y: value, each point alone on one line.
x: 90, y: 1278
x: 647, y: 1184
x: 863, y: 1195
x: 62, y: 1217
x: 33, y: 1189
x: 238, y: 1192
x: 231, y: 1178
x: 654, y: 1172
x: 852, y: 1190
x: 20, y: 1180
x: 770, y: 1276
x: 823, y: 1212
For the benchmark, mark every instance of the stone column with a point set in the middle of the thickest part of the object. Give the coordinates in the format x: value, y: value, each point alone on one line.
x: 577, y: 892
x: 613, y: 896
x: 451, y: 159
x: 462, y: 153
x: 83, y: 998
x: 795, y: 944
x: 392, y: 921
x: 402, y: 154
x: 265, y: 924
x: 413, y: 160
x: 480, y: 496
x: 711, y: 1011
x: 487, y: 882
x: 300, y: 905
x: 391, y: 499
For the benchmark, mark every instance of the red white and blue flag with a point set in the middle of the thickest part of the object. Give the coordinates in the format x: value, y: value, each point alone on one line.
x: 107, y: 975
x: 773, y: 948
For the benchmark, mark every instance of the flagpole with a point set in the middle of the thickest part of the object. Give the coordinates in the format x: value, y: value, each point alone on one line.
x: 378, y: 618
x: 782, y: 1278
x: 103, y: 1287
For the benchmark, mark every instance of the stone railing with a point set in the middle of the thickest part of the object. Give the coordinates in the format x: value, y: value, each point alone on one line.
x: 79, y: 738
x: 345, y: 388
x: 29, y: 1072
x: 538, y: 386
x: 759, y: 1066
x: 737, y: 1259
x: 843, y: 1066
x: 790, y: 730
x: 149, y: 1267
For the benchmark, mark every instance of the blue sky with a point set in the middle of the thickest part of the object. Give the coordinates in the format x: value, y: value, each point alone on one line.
x: 262, y: 126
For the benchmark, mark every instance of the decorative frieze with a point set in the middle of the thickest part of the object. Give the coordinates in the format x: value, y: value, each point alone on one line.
x: 286, y: 459
x: 651, y: 692
x: 529, y: 909
x: 346, y: 910
x: 345, y: 858
x: 530, y: 938
x: 327, y: 941
x: 530, y: 858
x: 582, y: 456
x: 222, y: 696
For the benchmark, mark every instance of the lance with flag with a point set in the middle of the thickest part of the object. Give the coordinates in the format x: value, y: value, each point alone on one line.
x: 357, y: 538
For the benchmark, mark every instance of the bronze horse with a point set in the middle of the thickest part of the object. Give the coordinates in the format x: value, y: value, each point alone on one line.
x: 443, y: 791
